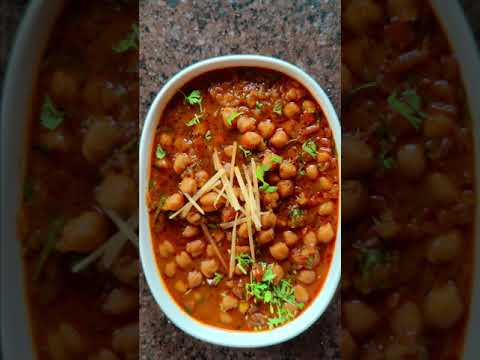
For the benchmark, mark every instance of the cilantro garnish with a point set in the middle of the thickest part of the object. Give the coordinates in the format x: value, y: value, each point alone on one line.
x: 217, y: 278
x: 260, y: 174
x: 276, y: 158
x: 369, y: 258
x: 130, y: 42
x: 258, y: 105
x: 408, y: 104
x: 246, y: 153
x: 243, y: 262
x: 233, y: 117
x: 277, y: 107
x: 160, y: 153
x: 195, y: 120
x: 208, y: 135
x: 195, y: 98
x: 310, y: 148
x: 50, y: 117
x: 296, y: 217
x: 52, y: 236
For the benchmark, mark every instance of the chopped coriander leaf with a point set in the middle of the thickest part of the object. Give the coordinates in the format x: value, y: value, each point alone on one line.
x: 309, y: 263
x: 277, y: 108
x: 50, y: 117
x: 195, y: 98
x: 369, y: 258
x: 52, y: 236
x: 161, y: 201
x: 310, y: 148
x: 408, y: 104
x: 217, y: 278
x: 208, y: 135
x: 258, y: 105
x: 130, y: 41
x: 388, y: 163
x: 260, y: 174
x: 243, y: 262
x: 195, y: 121
x: 276, y: 158
x: 296, y: 217
x: 233, y: 117
x: 268, y: 275
x: 246, y: 153
x: 160, y: 153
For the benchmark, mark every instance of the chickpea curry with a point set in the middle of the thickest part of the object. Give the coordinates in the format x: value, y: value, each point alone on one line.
x: 243, y: 198
x: 408, y: 197
x: 79, y: 215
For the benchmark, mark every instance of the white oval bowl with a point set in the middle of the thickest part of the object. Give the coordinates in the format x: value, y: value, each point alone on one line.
x: 179, y: 317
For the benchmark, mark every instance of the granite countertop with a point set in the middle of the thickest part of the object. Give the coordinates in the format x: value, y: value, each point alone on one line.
x: 175, y: 34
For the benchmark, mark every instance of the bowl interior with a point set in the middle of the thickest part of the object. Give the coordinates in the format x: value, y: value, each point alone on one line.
x: 170, y: 308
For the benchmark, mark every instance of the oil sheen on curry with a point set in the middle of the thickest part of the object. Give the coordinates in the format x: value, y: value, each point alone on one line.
x: 408, y: 195
x: 243, y: 198
x: 81, y: 187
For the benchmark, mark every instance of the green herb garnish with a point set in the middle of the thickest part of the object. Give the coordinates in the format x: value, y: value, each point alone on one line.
x: 276, y: 158
x: 195, y: 98
x: 409, y: 105
x: 50, y: 117
x: 195, y: 121
x: 208, y: 135
x: 243, y: 262
x: 217, y: 278
x: 246, y: 153
x: 260, y: 174
x: 52, y: 236
x: 369, y: 258
x: 160, y: 153
x: 233, y: 117
x: 277, y: 107
x: 310, y: 148
x: 130, y: 42
x: 258, y: 105
x: 296, y: 216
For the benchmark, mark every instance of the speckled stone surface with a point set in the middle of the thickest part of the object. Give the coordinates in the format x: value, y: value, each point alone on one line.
x: 174, y: 34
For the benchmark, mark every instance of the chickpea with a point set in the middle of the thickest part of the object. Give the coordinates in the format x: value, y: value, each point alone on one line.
x: 411, y: 160
x: 125, y: 270
x: 270, y: 200
x: 170, y: 269
x: 290, y: 238
x: 194, y: 217
x: 279, y: 139
x: 118, y: 193
x: 324, y: 156
x: 73, y: 341
x: 228, y: 150
x: 287, y: 170
x: 279, y: 251
x: 180, y: 286
x: 443, y: 306
x: 243, y: 231
x: 325, y: 233
x: 201, y: 177
x: 265, y: 236
x: 56, y: 140
x: 227, y: 113
x: 266, y: 128
x: 403, y: 10
x: 269, y: 220
x: 174, y: 202
x: 325, y: 183
x: 301, y: 294
x: 84, y: 233
x: 360, y: 318
x: 228, y: 214
x: 359, y: 15
x: 310, y: 238
x: 311, y: 171
x: 437, y: 125
x: 166, y: 140
x: 181, y: 162
x: 166, y: 249
x: 292, y: 94
x: 326, y: 208
x: 309, y: 106
x: 194, y: 279
x: 188, y: 185
x: 190, y: 231
x: 442, y: 189
x: 183, y: 260
x: 279, y: 273
x: 210, y: 251
x: 306, y: 276
x: 445, y: 247
x: 195, y: 248
x: 125, y: 340
x: 162, y: 163
x: 120, y: 301
x: 209, y: 267
x: 406, y: 320
x: 291, y: 110
x: 104, y: 354
x: 348, y: 346
x: 358, y: 157
x: 225, y: 318
x: 100, y: 140
x: 207, y: 202
x: 229, y: 302
x: 251, y: 140
x: 65, y: 85
x: 245, y: 124
x: 285, y: 188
